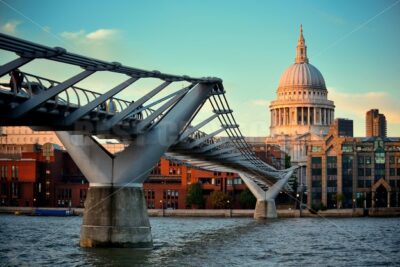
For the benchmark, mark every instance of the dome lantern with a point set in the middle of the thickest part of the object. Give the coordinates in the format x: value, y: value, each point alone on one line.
x: 301, y: 50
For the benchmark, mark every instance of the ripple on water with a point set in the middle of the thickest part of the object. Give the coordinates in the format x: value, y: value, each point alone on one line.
x: 51, y: 241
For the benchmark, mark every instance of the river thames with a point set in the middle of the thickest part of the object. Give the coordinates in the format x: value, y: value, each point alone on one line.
x: 52, y: 241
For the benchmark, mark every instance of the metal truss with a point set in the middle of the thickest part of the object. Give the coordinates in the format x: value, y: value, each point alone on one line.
x: 62, y: 106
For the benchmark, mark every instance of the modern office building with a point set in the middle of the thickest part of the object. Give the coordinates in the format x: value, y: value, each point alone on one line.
x: 346, y: 172
x: 375, y: 123
x: 343, y: 127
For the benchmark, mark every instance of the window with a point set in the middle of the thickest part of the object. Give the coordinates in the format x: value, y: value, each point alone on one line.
x: 380, y: 158
x: 347, y: 148
x: 4, y: 171
x: 14, y: 171
x: 14, y: 188
x: 391, y: 160
x: 368, y: 172
x: 316, y: 149
x: 392, y: 171
x: 3, y: 186
x: 360, y: 160
x: 367, y: 160
x: 170, y: 199
x: 360, y: 172
x: 149, y: 195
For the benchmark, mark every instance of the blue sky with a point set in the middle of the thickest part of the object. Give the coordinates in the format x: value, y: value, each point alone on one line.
x: 355, y: 44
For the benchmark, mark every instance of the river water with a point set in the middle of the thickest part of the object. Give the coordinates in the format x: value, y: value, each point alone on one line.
x: 52, y: 241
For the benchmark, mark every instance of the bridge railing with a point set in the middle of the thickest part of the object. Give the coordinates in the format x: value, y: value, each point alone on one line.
x: 73, y: 97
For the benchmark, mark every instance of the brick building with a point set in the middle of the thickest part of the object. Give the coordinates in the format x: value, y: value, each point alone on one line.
x: 44, y: 176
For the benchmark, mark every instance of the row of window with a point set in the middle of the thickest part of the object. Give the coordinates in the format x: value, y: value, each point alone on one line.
x: 304, y: 93
x: 14, y: 171
x: 13, y: 188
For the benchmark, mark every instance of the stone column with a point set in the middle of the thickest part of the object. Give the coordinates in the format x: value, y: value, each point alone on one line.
x: 315, y: 116
x: 272, y: 117
x: 308, y: 115
x: 287, y: 115
x: 320, y: 116
x: 284, y: 116
x: 279, y: 115
x: 325, y: 120
x: 329, y: 117
x: 296, y: 122
x: 302, y: 115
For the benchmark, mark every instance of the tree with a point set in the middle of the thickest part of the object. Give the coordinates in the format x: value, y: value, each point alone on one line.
x: 247, y: 200
x: 194, y: 196
x: 220, y: 200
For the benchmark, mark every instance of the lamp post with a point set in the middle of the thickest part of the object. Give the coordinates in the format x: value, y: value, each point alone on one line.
x: 301, y: 199
x: 230, y: 207
x: 162, y: 207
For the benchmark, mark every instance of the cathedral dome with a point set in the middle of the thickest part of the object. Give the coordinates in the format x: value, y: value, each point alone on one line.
x: 302, y: 75
x: 302, y: 105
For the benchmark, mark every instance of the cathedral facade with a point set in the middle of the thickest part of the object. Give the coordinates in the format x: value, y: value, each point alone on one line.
x: 302, y: 112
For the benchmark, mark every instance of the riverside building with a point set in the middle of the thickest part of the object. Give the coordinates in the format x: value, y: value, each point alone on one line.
x: 347, y: 172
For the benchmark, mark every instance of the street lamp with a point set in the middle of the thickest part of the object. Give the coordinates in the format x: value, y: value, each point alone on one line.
x: 162, y: 207
x: 230, y: 208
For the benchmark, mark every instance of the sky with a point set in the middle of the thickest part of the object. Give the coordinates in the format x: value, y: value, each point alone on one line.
x: 249, y: 44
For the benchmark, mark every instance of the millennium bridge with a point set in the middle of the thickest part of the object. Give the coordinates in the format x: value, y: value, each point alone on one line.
x: 153, y: 125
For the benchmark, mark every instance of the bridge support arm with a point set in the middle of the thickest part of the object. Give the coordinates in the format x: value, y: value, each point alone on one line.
x: 265, y: 206
x: 115, y: 210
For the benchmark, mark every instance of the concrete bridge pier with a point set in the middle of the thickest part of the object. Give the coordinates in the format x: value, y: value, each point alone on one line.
x: 115, y: 210
x: 117, y: 217
x: 265, y: 206
x: 115, y: 214
x: 265, y: 209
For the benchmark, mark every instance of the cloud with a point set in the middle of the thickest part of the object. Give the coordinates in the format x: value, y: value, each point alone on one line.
x: 97, y: 35
x: 73, y: 35
x: 101, y: 34
x: 10, y: 26
x: 261, y: 102
x: 359, y: 103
